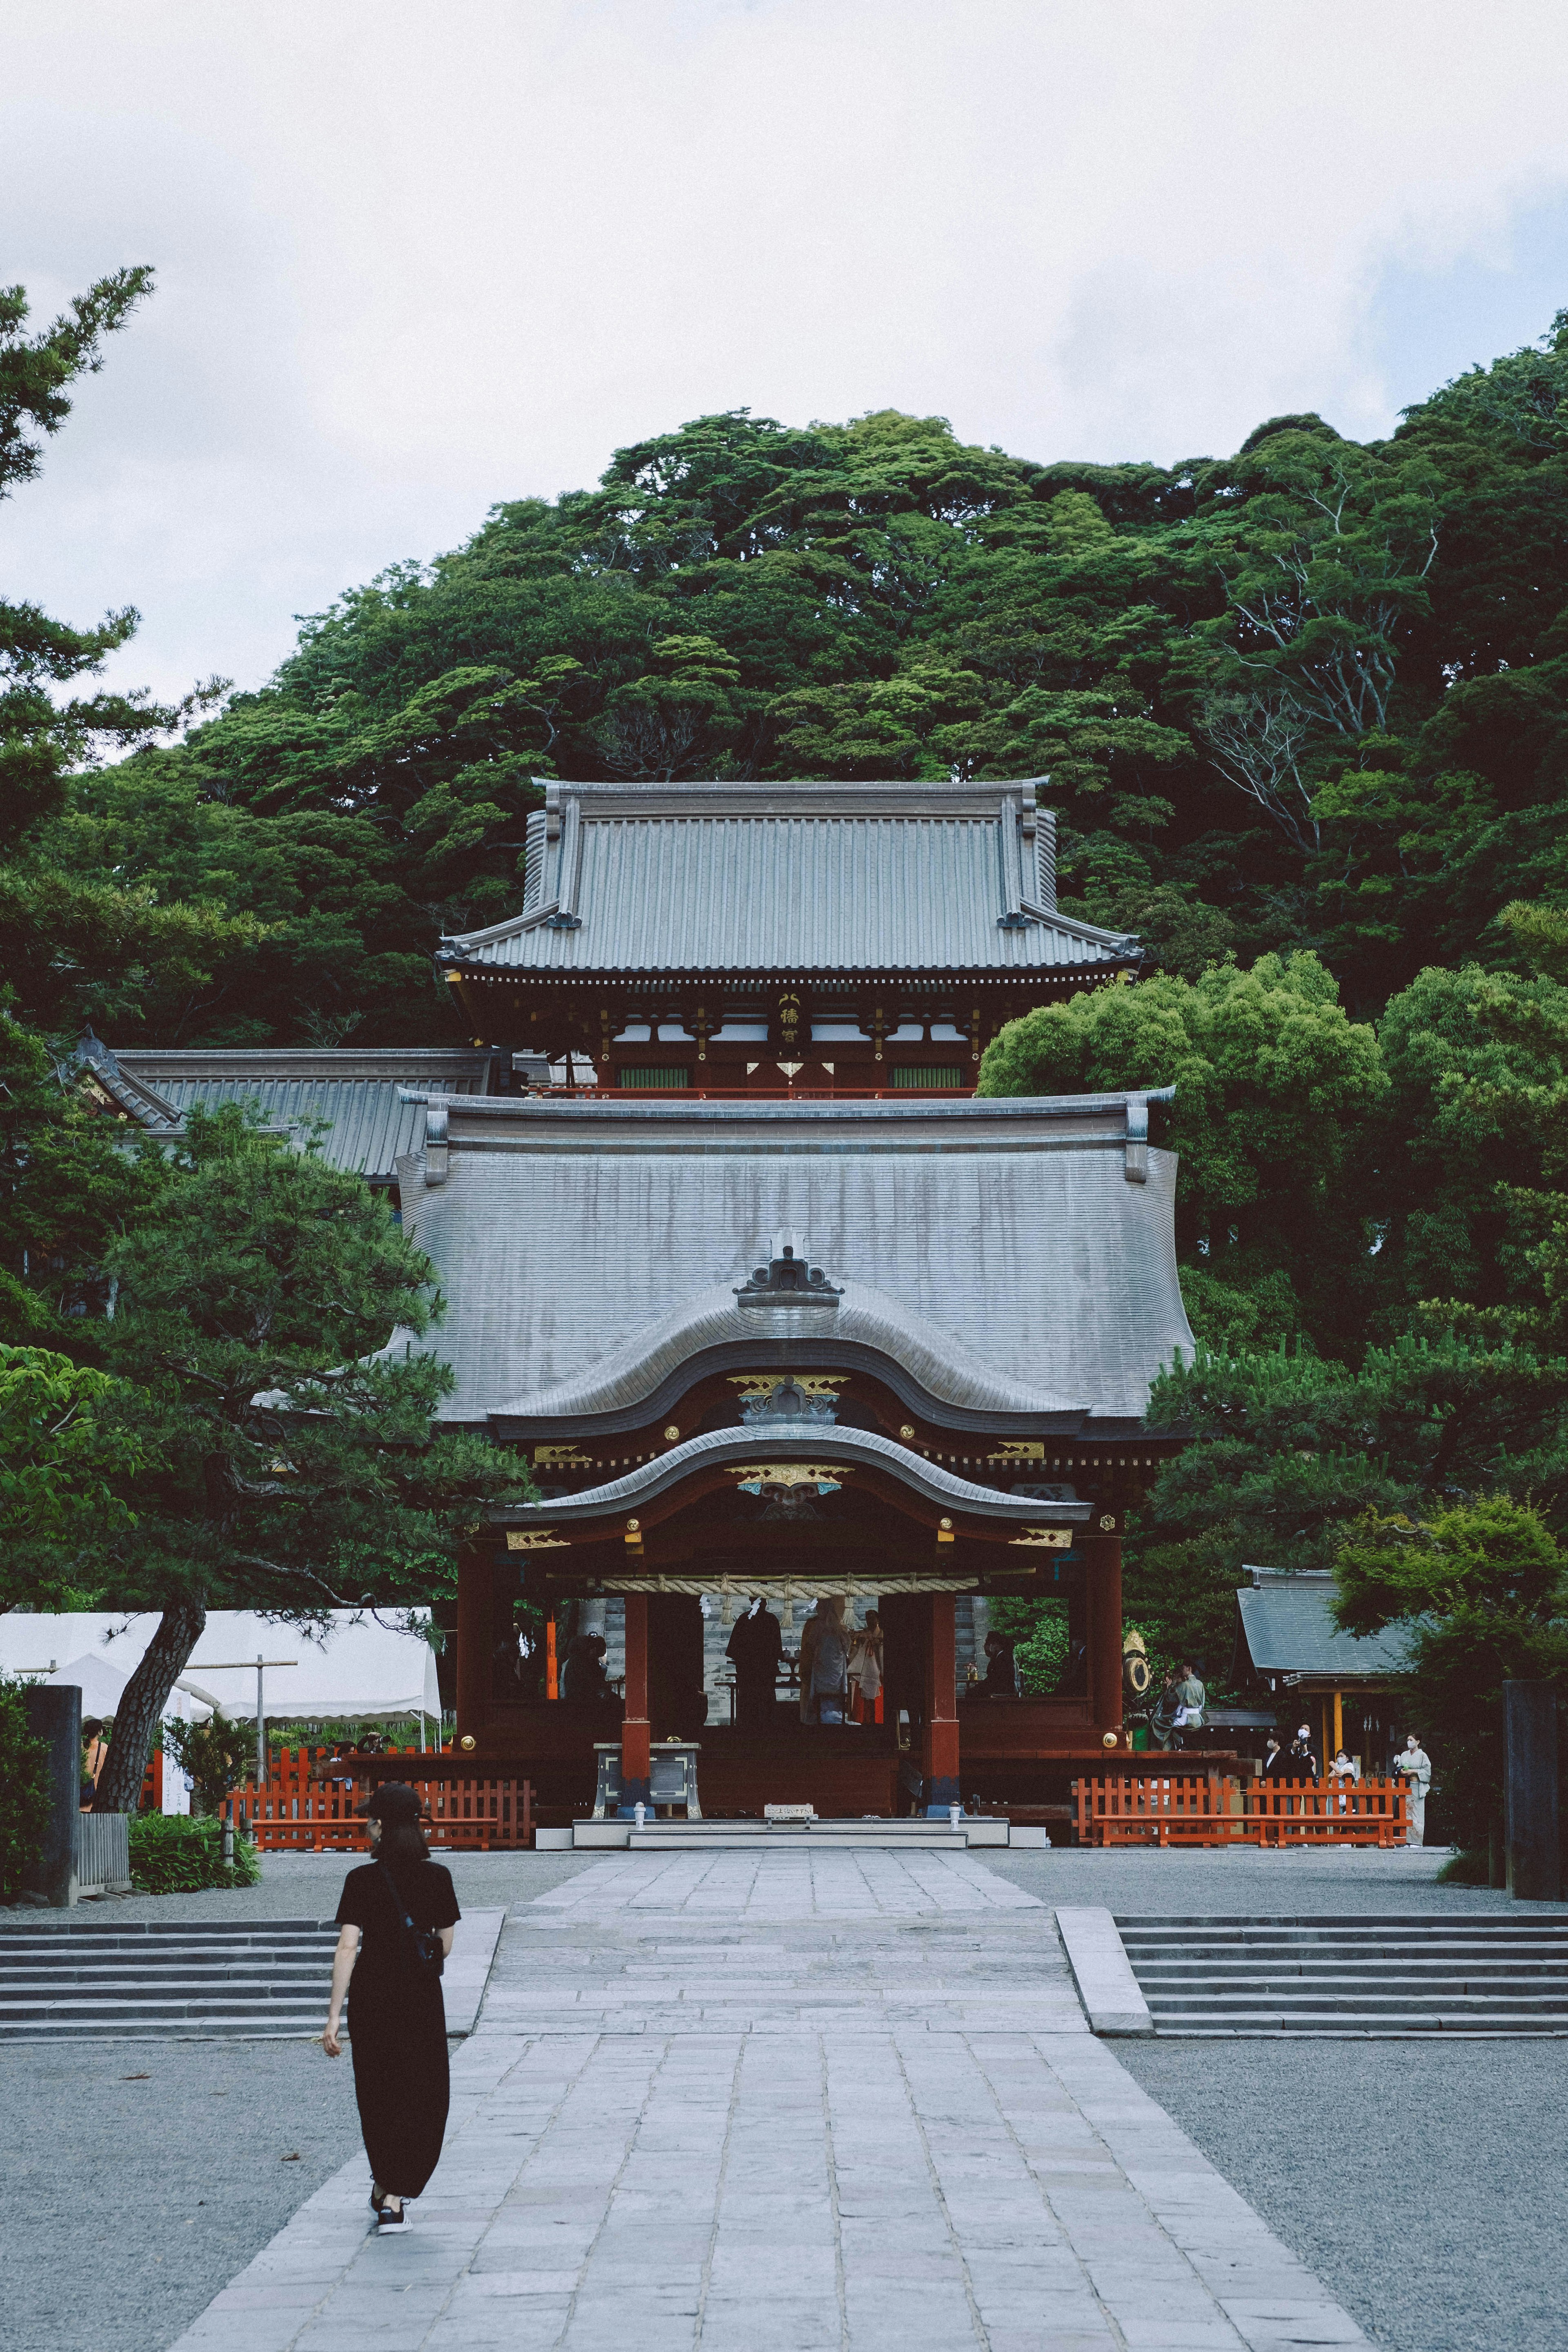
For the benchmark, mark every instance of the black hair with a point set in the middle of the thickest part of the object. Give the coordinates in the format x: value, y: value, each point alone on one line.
x: 402, y: 1847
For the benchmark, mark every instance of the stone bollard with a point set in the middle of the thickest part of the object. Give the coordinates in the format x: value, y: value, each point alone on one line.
x: 54, y: 1715
x: 641, y: 1812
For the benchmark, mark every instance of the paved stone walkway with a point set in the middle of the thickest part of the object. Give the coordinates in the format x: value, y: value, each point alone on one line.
x: 879, y: 2122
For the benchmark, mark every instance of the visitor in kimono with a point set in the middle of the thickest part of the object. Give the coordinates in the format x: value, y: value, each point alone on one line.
x: 1164, y: 1713
x: 810, y: 1633
x: 829, y: 1662
x: 866, y: 1670
x: 1191, y: 1699
x: 1414, y: 1767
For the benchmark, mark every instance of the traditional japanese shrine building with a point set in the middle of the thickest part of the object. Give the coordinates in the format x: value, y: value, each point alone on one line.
x: 770, y: 1300
x: 815, y: 1320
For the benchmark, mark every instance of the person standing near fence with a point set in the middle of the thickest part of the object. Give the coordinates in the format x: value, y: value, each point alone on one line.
x: 396, y: 1918
x: 1414, y: 1767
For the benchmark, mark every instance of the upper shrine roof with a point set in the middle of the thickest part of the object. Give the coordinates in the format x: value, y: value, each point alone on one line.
x: 791, y: 878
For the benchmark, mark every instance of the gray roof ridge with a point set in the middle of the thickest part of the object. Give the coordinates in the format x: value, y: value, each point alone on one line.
x: 841, y: 1106
x: 323, y: 1060
x: 936, y: 1359
x: 777, y: 1441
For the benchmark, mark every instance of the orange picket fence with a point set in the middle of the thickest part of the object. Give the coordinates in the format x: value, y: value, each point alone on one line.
x: 312, y: 1802
x: 1135, y: 1810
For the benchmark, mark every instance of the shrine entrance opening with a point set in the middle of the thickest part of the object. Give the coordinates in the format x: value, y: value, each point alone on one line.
x: 735, y: 1515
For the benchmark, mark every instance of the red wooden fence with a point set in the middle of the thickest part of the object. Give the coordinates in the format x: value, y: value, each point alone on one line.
x: 311, y: 1801
x: 1128, y: 1811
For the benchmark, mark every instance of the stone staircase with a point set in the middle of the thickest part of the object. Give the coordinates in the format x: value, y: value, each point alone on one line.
x: 1485, y: 1974
x: 198, y: 1979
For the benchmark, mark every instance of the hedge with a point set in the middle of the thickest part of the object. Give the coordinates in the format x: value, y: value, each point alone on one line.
x: 171, y: 1855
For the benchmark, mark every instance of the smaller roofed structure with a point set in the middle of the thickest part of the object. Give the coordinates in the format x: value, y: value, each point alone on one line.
x: 356, y: 1101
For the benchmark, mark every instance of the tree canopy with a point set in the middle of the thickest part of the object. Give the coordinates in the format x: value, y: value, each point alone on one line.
x: 1309, y: 697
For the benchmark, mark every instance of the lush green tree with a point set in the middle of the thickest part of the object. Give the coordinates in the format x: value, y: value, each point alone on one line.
x: 1278, y: 1097
x: 70, y: 1186
x: 1286, y: 1450
x: 66, y: 1458
x: 1482, y: 1589
x: 290, y: 1463
x: 73, y: 948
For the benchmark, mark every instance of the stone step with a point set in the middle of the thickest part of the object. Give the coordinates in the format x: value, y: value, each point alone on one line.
x: 265, y: 1977
x: 1504, y: 2004
x: 1179, y: 1972
x: 184, y: 1931
x: 1357, y: 1976
x: 1347, y: 2026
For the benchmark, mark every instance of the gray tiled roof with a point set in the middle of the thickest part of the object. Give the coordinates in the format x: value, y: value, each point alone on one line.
x: 791, y: 878
x: 1287, y: 1624
x: 358, y: 1093
x: 1032, y: 1240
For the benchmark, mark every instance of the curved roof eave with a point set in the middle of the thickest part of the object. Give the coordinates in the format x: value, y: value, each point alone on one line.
x: 779, y: 1440
x: 937, y: 1361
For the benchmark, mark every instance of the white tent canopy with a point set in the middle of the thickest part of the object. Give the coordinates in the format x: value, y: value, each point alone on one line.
x: 356, y: 1670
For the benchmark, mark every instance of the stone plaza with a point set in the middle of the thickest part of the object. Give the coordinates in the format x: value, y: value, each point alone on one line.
x: 840, y: 2100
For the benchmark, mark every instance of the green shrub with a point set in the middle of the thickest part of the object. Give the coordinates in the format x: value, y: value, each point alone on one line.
x: 1473, y: 1868
x: 220, y: 1757
x: 172, y: 1856
x: 24, y: 1789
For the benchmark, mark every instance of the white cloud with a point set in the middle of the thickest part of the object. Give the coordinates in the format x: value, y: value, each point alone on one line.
x: 412, y: 260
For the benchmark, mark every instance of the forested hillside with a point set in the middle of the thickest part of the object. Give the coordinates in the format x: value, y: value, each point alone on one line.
x: 1314, y: 695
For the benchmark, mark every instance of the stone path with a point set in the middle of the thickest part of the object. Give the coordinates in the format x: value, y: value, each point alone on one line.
x: 879, y: 2122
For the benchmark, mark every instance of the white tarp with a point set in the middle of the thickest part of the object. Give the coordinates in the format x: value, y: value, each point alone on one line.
x: 356, y: 1670
x: 101, y: 1685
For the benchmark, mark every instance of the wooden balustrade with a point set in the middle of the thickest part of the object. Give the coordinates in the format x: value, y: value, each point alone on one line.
x: 312, y: 1803
x: 1145, y: 1809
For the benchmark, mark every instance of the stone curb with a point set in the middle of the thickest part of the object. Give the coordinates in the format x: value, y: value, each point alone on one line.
x: 1102, y: 1972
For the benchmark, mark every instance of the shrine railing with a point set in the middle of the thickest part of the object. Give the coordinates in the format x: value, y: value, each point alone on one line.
x: 1214, y: 1810
x: 311, y: 1803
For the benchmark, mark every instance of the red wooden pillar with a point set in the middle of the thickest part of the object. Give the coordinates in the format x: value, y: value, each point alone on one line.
x: 636, y: 1769
x: 1102, y: 1576
x: 475, y: 1583
x: 939, y: 1761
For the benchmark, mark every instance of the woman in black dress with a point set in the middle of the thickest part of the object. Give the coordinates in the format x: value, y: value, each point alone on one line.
x: 397, y: 2020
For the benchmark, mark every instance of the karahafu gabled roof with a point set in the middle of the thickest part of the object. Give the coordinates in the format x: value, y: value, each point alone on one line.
x: 791, y: 878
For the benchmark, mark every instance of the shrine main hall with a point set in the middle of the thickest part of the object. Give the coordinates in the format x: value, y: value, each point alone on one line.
x: 772, y: 1302
x: 776, y: 1306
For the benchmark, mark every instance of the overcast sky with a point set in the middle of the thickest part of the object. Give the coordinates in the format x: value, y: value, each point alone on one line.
x: 414, y: 258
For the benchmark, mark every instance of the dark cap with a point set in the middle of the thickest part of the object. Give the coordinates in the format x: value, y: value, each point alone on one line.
x: 394, y: 1801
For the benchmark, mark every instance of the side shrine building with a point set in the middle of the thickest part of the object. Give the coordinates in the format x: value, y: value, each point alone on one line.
x: 775, y: 1306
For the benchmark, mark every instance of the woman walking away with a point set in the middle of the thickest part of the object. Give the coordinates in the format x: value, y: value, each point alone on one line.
x: 396, y: 1918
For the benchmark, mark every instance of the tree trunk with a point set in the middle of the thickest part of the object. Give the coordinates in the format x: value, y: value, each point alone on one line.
x: 141, y: 1709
